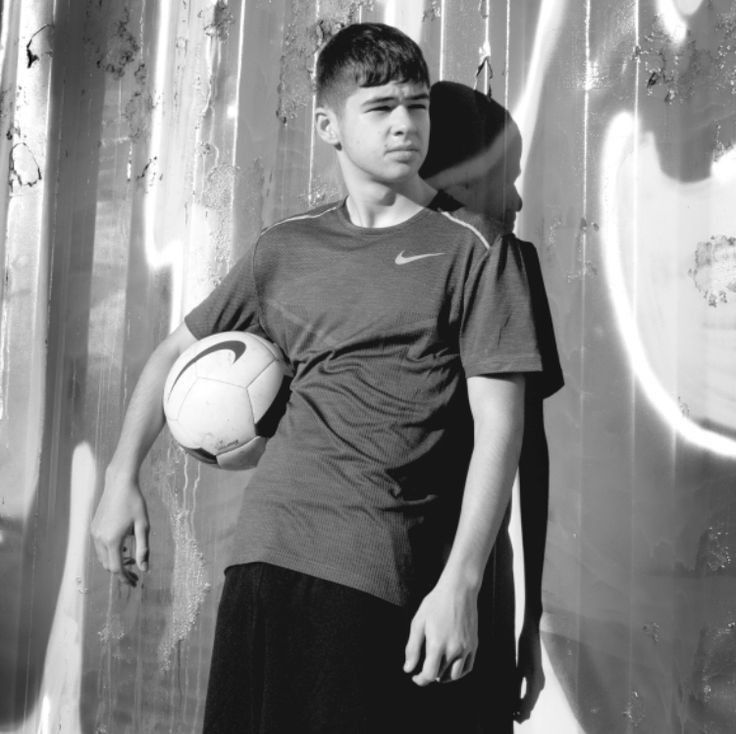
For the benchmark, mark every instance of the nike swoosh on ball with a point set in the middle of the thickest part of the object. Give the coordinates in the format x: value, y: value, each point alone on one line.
x: 237, y: 348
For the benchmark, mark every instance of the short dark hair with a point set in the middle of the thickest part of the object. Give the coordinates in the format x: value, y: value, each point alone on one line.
x: 366, y: 55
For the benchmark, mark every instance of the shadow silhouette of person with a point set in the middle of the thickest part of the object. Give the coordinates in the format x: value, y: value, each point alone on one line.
x: 474, y: 157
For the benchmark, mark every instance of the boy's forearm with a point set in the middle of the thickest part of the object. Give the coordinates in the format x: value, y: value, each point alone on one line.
x: 498, y: 416
x: 144, y: 417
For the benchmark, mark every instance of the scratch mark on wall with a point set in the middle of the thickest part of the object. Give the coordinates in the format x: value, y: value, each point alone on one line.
x: 150, y: 173
x: 653, y: 630
x: 714, y: 552
x: 484, y: 63
x: 112, y: 630
x: 321, y: 192
x: 585, y: 266
x: 189, y: 583
x: 634, y: 710
x: 433, y: 12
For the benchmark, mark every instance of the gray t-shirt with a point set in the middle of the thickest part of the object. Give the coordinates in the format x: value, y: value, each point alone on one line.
x: 363, y: 478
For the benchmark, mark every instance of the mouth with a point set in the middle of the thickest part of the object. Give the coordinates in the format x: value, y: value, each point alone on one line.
x: 403, y: 149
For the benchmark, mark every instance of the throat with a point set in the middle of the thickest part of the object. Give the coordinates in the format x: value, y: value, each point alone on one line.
x: 389, y: 209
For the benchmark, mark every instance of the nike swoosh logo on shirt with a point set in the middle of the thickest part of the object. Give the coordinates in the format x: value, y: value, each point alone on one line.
x: 402, y: 259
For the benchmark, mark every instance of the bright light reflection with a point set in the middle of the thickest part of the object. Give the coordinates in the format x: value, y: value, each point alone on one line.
x: 688, y: 7
x: 671, y: 20
x: 405, y: 15
x: 525, y: 113
x: 620, y: 138
x: 724, y: 169
x: 57, y: 708
x: 170, y: 254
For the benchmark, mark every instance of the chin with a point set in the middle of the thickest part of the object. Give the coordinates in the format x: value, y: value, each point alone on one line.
x: 509, y: 222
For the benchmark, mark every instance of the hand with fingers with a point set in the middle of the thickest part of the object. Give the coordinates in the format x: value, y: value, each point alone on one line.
x: 445, y: 630
x: 121, y: 516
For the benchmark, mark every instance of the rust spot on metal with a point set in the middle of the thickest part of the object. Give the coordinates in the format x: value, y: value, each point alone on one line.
x: 24, y: 169
x: 40, y: 44
x: 122, y: 47
x: 714, y: 272
x: 221, y: 21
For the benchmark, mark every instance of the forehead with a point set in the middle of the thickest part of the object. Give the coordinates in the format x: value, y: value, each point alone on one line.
x: 397, y: 91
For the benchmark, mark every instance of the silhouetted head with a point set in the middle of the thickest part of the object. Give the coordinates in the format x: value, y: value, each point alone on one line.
x: 474, y: 151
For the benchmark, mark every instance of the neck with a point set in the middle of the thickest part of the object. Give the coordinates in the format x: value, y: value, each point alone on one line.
x: 378, y: 205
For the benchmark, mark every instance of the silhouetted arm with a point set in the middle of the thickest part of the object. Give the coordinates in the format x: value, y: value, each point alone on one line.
x: 534, y: 505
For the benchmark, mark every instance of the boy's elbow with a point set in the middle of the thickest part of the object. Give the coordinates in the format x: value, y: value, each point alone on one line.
x: 176, y: 342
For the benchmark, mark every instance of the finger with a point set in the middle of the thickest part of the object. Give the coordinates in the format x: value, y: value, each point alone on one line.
x: 127, y: 561
x: 456, y: 669
x: 430, y: 672
x: 140, y: 530
x: 117, y: 563
x: 414, y: 645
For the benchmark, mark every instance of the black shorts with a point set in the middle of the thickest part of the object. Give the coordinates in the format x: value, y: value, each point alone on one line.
x: 294, y: 654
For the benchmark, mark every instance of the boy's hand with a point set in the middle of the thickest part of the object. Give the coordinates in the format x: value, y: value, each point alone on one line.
x: 121, y: 513
x: 445, y: 628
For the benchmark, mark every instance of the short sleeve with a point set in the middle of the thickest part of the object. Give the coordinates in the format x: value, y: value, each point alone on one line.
x: 231, y: 306
x: 497, y: 332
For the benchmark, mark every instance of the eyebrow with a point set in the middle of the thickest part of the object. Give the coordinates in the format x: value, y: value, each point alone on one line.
x: 421, y: 96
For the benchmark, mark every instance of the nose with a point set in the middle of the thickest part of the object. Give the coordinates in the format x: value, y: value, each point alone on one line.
x: 402, y: 121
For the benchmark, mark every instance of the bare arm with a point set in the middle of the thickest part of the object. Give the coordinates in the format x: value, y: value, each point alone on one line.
x: 446, y: 623
x: 122, y: 508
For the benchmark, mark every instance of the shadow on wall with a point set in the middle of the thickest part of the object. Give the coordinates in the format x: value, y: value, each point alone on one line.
x: 474, y: 156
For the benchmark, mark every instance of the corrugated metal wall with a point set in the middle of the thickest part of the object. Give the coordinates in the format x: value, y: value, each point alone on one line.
x: 144, y: 143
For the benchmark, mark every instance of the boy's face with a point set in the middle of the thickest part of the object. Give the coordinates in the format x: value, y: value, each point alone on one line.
x: 381, y: 133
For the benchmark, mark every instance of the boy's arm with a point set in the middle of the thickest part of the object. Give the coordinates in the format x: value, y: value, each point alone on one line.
x: 446, y: 623
x: 122, y: 508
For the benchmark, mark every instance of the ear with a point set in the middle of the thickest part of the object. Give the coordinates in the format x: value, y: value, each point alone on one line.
x: 327, y: 126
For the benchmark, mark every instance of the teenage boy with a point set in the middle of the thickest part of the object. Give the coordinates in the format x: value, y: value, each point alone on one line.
x: 408, y: 329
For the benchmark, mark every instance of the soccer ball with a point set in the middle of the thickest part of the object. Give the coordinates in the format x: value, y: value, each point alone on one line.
x: 224, y: 396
